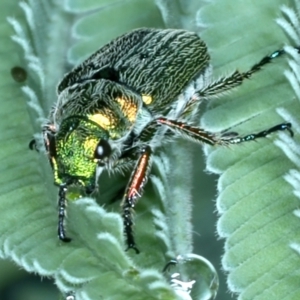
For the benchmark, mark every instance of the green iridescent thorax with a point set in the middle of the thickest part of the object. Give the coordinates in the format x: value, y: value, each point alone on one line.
x: 75, y: 145
x: 86, y: 114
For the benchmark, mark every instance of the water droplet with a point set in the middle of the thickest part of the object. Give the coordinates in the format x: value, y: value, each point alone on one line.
x: 70, y: 296
x: 193, y: 277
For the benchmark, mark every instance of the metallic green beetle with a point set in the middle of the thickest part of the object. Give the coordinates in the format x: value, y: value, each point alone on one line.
x: 116, y: 108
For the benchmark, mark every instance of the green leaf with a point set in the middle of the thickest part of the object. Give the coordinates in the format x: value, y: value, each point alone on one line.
x: 94, y: 265
x: 116, y: 18
x: 259, y: 182
x: 256, y: 203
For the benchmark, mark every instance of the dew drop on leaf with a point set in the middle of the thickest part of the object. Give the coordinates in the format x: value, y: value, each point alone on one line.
x: 193, y: 277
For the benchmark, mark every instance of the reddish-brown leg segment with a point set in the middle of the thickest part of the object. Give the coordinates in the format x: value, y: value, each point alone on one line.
x: 133, y: 192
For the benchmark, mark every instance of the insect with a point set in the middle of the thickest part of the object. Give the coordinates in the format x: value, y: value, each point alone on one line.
x: 116, y: 108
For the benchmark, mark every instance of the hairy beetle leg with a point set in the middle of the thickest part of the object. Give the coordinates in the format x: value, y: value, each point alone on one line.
x: 200, y: 135
x: 133, y: 192
x: 227, y: 83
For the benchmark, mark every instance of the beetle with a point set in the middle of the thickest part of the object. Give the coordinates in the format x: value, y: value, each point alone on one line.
x: 118, y: 106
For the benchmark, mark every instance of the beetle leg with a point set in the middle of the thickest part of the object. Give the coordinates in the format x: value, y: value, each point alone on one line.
x: 200, y: 135
x: 237, y: 78
x: 261, y: 134
x: 62, y: 213
x: 229, y: 82
x: 133, y: 192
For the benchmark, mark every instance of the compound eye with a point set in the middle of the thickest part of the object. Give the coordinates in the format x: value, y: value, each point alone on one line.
x: 103, y: 149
